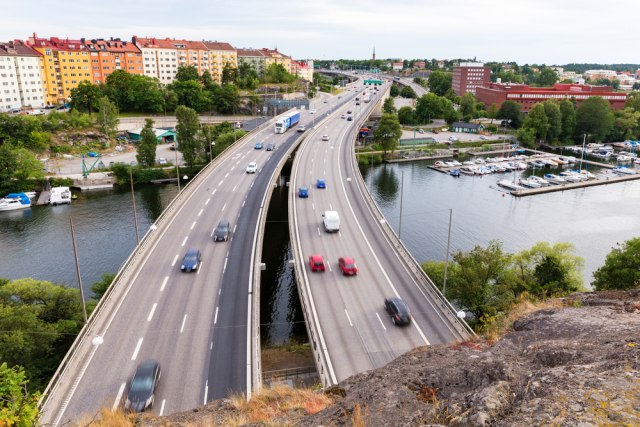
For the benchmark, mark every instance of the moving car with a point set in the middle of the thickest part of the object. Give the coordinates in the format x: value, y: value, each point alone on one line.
x: 221, y: 233
x: 321, y: 183
x: 452, y: 138
x: 331, y: 221
x: 271, y: 147
x: 312, y: 111
x: 252, y: 167
x: 399, y: 311
x: 258, y: 146
x: 349, y: 112
x: 301, y: 128
x: 143, y: 386
x: 303, y: 192
x: 349, y: 118
x: 484, y: 138
x: 342, y: 116
x: 325, y: 137
x: 191, y: 260
x: 348, y: 266
x: 316, y: 263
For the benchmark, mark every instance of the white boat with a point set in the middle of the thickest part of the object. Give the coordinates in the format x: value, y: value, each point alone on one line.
x: 554, y: 179
x: 439, y: 164
x: 569, y: 177
x: 584, y: 173
x: 15, y: 201
x: 623, y: 170
x: 541, y: 181
x: 480, y: 161
x: 529, y: 183
x: 467, y: 170
x: 509, y: 185
x: 60, y: 196
x: 468, y: 163
x: 622, y: 158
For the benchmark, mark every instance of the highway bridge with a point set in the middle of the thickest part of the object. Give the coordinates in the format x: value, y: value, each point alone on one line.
x: 202, y: 327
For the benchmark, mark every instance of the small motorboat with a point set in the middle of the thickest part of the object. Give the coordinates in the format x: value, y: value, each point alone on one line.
x: 554, y: 179
x: 510, y: 185
x: 15, y: 201
x: 541, y: 181
x: 455, y: 173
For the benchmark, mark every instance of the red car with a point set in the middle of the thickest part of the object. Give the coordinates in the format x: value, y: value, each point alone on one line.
x: 316, y: 263
x: 348, y: 265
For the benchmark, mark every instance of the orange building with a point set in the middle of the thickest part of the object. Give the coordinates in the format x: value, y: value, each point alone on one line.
x: 110, y: 55
x: 65, y: 63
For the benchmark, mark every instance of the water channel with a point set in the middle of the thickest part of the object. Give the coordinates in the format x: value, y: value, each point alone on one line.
x: 37, y: 242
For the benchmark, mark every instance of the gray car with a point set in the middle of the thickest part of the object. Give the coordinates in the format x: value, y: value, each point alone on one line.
x: 221, y: 233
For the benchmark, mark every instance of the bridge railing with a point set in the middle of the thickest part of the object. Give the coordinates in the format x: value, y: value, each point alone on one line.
x: 410, y: 262
x: 79, y: 352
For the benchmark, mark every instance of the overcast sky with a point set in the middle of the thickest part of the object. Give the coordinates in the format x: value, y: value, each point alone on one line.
x: 525, y: 31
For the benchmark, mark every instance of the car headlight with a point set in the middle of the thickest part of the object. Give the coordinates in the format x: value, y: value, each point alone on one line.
x: 148, y: 402
x: 182, y: 267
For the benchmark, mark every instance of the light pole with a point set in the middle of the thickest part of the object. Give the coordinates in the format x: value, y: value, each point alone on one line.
x: 133, y: 199
x: 177, y: 171
x: 401, y: 191
x: 446, y: 262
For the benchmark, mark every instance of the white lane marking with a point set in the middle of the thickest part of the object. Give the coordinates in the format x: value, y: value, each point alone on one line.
x: 238, y: 162
x: 207, y: 202
x: 234, y: 228
x: 184, y: 319
x: 214, y: 192
x: 243, y: 202
x: 313, y: 206
x: 193, y: 225
x: 199, y: 268
x: 226, y: 175
x: 206, y: 391
x: 162, y: 408
x: 153, y: 310
x: 135, y: 352
x: 220, y: 183
x: 232, y: 168
x: 224, y: 206
x: 234, y: 188
x: 328, y: 264
x: 383, y: 327
x: 215, y: 319
x: 318, y: 228
x: 174, y: 261
x: 164, y: 282
x: 330, y: 207
x: 211, y: 346
x: 219, y: 291
x: 202, y: 210
x: 225, y: 265
x: 339, y: 233
x: 116, y: 403
x: 348, y: 318
x: 252, y: 184
x: 185, y: 240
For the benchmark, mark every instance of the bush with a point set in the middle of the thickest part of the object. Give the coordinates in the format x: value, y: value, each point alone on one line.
x: 140, y: 175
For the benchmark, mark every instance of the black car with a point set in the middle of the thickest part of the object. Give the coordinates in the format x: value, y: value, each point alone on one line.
x: 349, y: 118
x: 271, y: 147
x: 221, y: 233
x: 191, y: 260
x: 143, y: 386
x: 399, y: 311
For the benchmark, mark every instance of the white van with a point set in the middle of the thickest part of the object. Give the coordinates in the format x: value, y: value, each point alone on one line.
x: 331, y: 221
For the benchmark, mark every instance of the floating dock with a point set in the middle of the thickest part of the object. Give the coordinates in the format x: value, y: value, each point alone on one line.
x: 574, y: 185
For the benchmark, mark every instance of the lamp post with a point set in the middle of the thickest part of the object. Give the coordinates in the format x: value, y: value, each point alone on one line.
x: 401, y: 191
x: 177, y: 171
x: 133, y: 199
x: 446, y: 262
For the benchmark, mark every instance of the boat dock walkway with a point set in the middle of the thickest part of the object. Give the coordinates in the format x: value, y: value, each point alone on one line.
x: 43, y: 198
x: 573, y: 185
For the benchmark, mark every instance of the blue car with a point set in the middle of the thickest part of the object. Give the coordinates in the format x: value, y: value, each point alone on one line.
x: 321, y: 183
x: 258, y: 146
x: 303, y: 192
x: 191, y: 260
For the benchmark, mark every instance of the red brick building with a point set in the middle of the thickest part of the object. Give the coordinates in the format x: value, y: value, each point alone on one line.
x: 467, y: 76
x: 527, y: 97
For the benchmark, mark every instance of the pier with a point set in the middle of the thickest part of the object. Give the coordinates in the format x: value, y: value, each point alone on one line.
x: 574, y: 185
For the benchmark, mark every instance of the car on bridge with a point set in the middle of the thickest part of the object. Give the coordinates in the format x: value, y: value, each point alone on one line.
x: 258, y: 146
x: 221, y: 233
x: 349, y: 118
x: 191, y: 260
x: 348, y: 266
x: 399, y: 311
x: 141, y: 393
x: 252, y: 167
x: 316, y: 263
x: 301, y: 128
x: 303, y: 192
x: 271, y: 147
x: 321, y: 183
x: 325, y: 137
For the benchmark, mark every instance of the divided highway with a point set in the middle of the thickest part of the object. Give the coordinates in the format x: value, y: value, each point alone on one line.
x: 354, y: 330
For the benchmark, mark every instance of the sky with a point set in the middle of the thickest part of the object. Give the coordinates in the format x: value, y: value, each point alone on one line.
x: 551, y: 32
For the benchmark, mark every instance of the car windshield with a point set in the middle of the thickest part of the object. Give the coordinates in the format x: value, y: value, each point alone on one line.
x: 142, y: 383
x: 190, y: 257
x: 349, y: 265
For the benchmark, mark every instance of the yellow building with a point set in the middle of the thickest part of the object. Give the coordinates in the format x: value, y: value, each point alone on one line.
x: 221, y: 54
x: 65, y: 63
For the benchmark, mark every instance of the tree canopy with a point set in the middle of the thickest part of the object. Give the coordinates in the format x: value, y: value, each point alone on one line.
x: 388, y: 132
x: 147, y: 145
x: 621, y: 269
x: 440, y: 82
x: 594, y: 117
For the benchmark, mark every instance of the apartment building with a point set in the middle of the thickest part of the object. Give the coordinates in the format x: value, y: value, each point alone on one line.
x: 467, y: 76
x: 20, y: 77
x: 110, y: 55
x: 221, y: 54
x: 254, y: 57
x: 65, y: 63
x: 162, y: 57
x: 302, y: 69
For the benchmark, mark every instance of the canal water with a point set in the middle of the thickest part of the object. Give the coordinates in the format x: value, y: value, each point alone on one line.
x: 37, y: 242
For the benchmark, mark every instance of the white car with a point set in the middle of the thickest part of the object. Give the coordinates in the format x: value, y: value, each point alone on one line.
x: 325, y: 137
x: 162, y: 161
x: 312, y: 111
x: 484, y: 138
x: 452, y: 138
x: 252, y: 167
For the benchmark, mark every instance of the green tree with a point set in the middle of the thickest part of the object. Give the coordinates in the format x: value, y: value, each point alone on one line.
x: 537, y: 120
x: 187, y: 73
x: 568, y: 116
x: 18, y: 407
x: 510, y: 111
x: 388, y: 107
x: 547, y: 77
x: 621, y: 269
x: 594, y: 117
x: 100, y: 287
x: 147, y: 145
x: 187, y: 126
x: 247, y: 76
x: 428, y: 107
x: 627, y: 122
x: 117, y: 87
x: 554, y: 118
x: 27, y: 165
x: 492, y: 111
x: 8, y: 166
x: 526, y: 136
x: 207, y: 80
x: 406, y: 116
x: 388, y: 132
x: 206, y: 136
x: 85, y: 97
x: 276, y: 73
x: 394, y: 90
x: 468, y: 105
x: 440, y: 82
x: 229, y: 74
x: 407, y: 92
x: 226, y: 99
x: 191, y: 93
x: 107, y: 117
x: 633, y: 101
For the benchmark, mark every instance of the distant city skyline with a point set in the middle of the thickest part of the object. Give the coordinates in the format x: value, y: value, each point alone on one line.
x: 525, y: 31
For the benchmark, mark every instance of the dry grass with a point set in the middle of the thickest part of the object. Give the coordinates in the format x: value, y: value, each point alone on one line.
x: 107, y: 418
x: 280, y: 402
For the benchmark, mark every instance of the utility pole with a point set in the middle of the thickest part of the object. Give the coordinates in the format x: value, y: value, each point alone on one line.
x: 75, y: 255
x: 446, y: 262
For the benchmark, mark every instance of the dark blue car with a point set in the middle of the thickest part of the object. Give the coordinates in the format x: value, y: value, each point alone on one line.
x: 191, y: 260
x: 321, y: 183
x: 303, y: 192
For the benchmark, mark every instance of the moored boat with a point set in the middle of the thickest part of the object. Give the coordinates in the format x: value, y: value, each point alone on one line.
x: 554, y: 179
x: 60, y: 196
x: 528, y: 183
x: 509, y: 185
x: 15, y: 201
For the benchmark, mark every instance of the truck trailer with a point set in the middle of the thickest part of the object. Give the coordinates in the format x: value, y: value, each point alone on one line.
x: 287, y: 121
x: 367, y: 97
